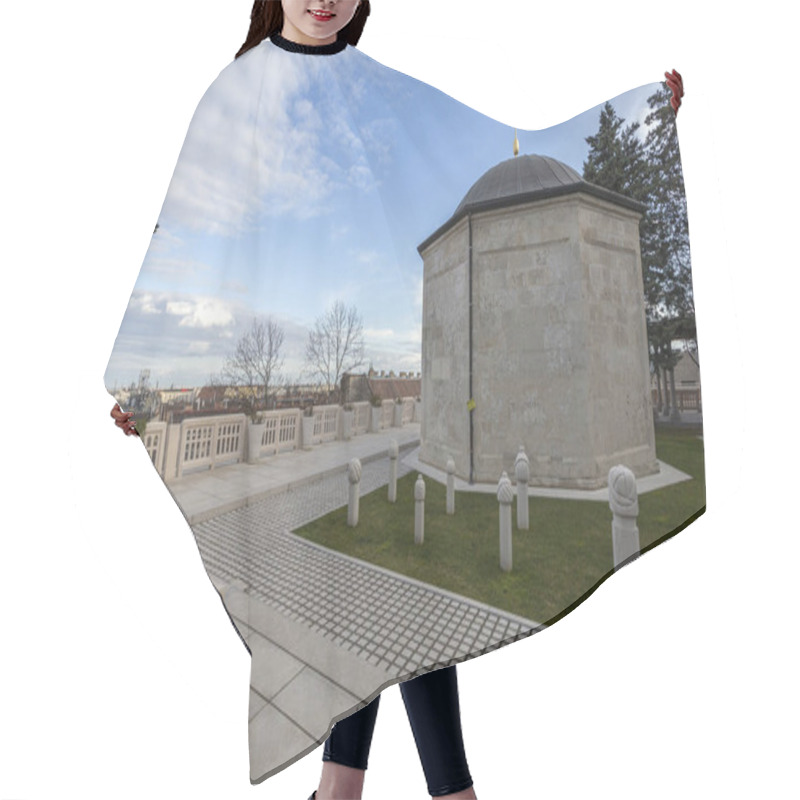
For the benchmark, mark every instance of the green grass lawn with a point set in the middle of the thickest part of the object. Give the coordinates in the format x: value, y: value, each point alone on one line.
x: 565, y: 555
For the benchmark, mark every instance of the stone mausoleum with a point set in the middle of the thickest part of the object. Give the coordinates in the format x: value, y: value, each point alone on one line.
x: 533, y: 330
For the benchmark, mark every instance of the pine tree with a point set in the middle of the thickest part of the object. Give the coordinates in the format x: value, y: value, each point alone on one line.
x: 650, y: 171
x: 616, y: 157
x: 668, y: 203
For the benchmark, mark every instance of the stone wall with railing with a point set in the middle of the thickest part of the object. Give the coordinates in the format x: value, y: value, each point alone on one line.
x: 685, y: 399
x: 200, y: 443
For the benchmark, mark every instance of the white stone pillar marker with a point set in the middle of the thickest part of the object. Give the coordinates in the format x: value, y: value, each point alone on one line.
x: 354, y: 476
x: 394, y: 452
x: 419, y: 510
x: 451, y: 486
x: 623, y: 498
x: 522, y: 471
x: 505, y: 496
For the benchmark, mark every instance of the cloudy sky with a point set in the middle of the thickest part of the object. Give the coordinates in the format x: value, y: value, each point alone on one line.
x: 309, y: 179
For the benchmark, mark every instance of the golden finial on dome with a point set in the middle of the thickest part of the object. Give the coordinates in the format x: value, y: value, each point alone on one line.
x: 516, y: 143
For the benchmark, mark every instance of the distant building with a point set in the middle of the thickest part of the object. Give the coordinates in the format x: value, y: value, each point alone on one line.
x: 687, y: 372
x: 688, y: 392
x: 169, y: 396
x: 360, y: 388
x: 211, y: 398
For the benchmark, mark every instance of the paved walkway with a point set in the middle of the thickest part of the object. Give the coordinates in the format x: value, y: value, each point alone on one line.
x: 206, y: 493
x: 326, y: 632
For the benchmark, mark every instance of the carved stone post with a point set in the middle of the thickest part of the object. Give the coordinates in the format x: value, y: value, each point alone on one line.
x: 354, y: 477
x: 419, y: 510
x: 451, y: 486
x: 522, y: 472
x: 394, y: 452
x: 623, y: 498
x: 505, y: 496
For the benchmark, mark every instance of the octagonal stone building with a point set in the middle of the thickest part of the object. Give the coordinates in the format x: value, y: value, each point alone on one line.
x: 533, y: 309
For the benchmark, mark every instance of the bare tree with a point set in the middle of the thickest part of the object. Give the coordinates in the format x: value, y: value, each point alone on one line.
x: 255, y: 365
x: 335, y: 344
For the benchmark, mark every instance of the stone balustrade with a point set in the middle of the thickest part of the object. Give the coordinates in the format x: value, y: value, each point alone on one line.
x: 282, y: 431
x: 326, y: 424
x: 155, y: 437
x: 199, y: 443
x: 361, y: 417
x: 210, y: 441
x: 387, y: 413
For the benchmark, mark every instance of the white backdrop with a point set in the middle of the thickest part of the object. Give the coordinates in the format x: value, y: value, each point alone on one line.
x: 120, y: 675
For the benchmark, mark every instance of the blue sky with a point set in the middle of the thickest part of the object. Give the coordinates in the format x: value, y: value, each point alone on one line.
x: 304, y: 180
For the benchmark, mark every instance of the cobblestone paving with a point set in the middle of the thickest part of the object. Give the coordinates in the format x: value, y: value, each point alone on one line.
x: 389, y: 621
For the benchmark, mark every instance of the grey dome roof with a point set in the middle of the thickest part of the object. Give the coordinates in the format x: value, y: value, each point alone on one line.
x: 521, y: 175
x: 521, y: 179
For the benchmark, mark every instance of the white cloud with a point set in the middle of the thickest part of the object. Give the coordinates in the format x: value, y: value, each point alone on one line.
x: 257, y: 145
x: 179, y: 308
x: 144, y: 303
x: 199, y: 347
x: 379, y: 333
x: 206, y: 312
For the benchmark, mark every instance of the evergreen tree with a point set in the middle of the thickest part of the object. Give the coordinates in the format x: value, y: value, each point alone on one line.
x: 668, y: 204
x: 650, y: 171
x: 616, y: 158
x: 671, y: 312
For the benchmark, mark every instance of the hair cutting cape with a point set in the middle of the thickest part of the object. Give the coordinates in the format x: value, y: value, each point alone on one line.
x: 417, y: 395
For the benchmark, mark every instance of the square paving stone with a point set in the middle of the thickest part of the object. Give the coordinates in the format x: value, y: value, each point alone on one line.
x: 256, y: 704
x: 311, y: 700
x: 272, y: 667
x: 273, y: 740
